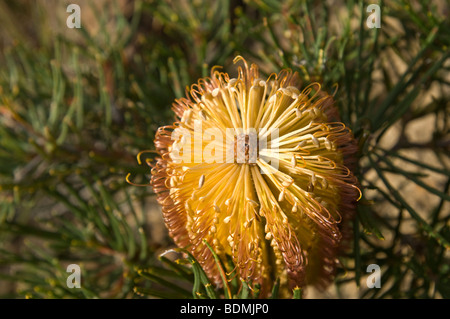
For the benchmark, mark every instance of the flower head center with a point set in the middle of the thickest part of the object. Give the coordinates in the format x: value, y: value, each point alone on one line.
x: 246, y: 148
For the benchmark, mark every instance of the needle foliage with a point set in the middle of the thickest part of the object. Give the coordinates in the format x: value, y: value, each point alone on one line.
x: 77, y: 105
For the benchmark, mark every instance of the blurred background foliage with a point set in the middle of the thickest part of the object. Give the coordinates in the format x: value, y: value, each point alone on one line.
x: 77, y: 105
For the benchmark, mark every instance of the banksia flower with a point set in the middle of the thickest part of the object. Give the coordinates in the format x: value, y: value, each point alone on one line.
x: 259, y: 169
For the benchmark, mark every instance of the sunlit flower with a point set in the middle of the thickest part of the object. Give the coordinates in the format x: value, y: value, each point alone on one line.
x: 278, y: 206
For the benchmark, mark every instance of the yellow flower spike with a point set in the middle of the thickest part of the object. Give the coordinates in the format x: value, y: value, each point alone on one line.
x: 261, y: 171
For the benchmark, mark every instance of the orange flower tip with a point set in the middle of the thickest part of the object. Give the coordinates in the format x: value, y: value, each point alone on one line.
x: 313, y: 179
x: 301, y: 144
x: 286, y: 184
x: 139, y: 155
x: 315, y: 141
x: 239, y: 58
x: 186, y: 116
x: 281, y: 196
x: 295, y: 92
x: 293, y: 160
x: 316, y: 112
x: 215, y: 92
x: 328, y: 145
x: 251, y: 201
x: 127, y: 178
x: 202, y: 115
x: 201, y: 181
x: 359, y: 192
x: 272, y: 99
